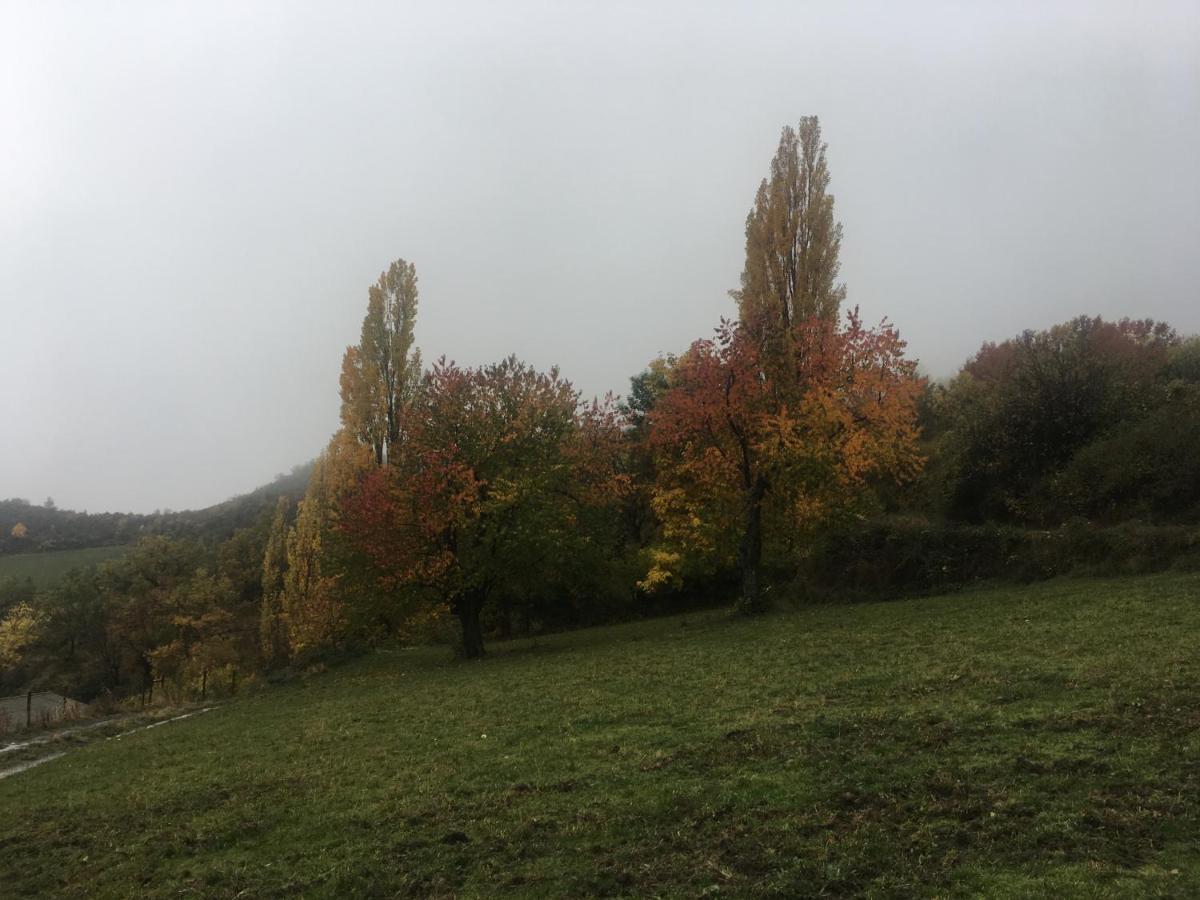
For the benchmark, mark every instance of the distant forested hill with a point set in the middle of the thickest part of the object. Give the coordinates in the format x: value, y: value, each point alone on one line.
x: 29, y: 528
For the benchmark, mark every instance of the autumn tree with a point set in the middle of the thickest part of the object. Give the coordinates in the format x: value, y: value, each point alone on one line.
x: 172, y: 609
x: 215, y: 615
x: 1021, y: 409
x: 140, y: 593
x: 645, y: 389
x: 311, y: 609
x: 732, y: 459
x: 20, y: 629
x: 499, y: 462
x: 239, y: 560
x: 74, y: 644
x: 792, y: 244
x: 313, y: 602
x: 304, y: 585
x: 305, y: 576
x: 205, y: 633
x: 778, y: 422
x: 272, y: 625
x: 381, y: 372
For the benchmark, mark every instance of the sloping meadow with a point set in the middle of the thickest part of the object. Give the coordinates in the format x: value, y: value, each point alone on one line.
x: 1008, y: 742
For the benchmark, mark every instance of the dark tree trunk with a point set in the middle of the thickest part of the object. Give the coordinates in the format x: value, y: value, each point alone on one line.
x: 147, y: 680
x: 389, y: 627
x: 469, y: 607
x: 750, y: 552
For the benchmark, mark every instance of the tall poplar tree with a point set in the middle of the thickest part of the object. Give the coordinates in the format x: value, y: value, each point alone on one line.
x: 380, y: 374
x: 784, y: 419
x: 311, y: 606
x: 272, y: 627
x: 792, y: 242
x: 315, y: 599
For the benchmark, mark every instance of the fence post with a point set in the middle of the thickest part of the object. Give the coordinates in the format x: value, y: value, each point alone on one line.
x: 29, y: 709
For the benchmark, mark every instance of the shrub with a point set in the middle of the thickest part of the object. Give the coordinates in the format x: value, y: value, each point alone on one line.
x: 897, y: 556
x: 1149, y: 469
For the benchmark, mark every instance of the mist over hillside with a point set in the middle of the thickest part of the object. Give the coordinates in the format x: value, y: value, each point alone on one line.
x: 27, y: 527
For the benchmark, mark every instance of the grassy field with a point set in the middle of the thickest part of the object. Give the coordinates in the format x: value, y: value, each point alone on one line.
x: 47, y: 568
x: 1040, y: 741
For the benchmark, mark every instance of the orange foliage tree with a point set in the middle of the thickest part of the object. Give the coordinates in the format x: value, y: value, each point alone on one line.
x: 743, y: 446
x: 498, y: 463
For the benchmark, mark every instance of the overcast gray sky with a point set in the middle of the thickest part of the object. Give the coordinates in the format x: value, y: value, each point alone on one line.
x: 194, y: 197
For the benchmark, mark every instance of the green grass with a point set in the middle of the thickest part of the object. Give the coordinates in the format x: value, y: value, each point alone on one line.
x: 46, y: 569
x: 1040, y: 741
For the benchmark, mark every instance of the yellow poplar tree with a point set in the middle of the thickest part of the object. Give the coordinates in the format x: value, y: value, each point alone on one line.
x: 272, y: 626
x: 312, y: 604
x: 310, y: 607
x: 792, y: 243
x: 381, y: 373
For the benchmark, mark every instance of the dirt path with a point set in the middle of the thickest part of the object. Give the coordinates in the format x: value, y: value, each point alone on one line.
x: 45, y: 739
x: 55, y: 735
x: 4, y: 773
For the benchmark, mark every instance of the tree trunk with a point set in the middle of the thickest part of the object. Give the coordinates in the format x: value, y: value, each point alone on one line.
x: 468, y: 607
x: 147, y: 680
x: 750, y: 552
x: 389, y: 627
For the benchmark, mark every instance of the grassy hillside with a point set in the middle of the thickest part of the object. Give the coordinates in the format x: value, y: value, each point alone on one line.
x: 1005, y: 743
x: 47, y: 568
x: 48, y: 528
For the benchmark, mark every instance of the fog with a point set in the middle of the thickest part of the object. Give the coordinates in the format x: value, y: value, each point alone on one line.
x: 195, y: 197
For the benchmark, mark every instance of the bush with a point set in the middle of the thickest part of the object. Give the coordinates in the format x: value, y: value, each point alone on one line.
x: 898, y: 556
x: 1148, y: 469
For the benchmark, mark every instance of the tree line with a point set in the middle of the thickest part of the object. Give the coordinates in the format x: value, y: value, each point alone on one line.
x: 44, y: 528
x: 460, y: 503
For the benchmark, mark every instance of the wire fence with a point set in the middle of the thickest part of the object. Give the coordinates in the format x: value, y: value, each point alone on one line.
x: 37, y: 709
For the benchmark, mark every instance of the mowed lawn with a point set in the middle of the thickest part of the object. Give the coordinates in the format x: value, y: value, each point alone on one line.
x: 1020, y: 742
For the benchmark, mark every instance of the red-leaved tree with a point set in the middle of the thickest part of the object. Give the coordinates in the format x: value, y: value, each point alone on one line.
x: 498, y: 462
x: 747, y: 447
